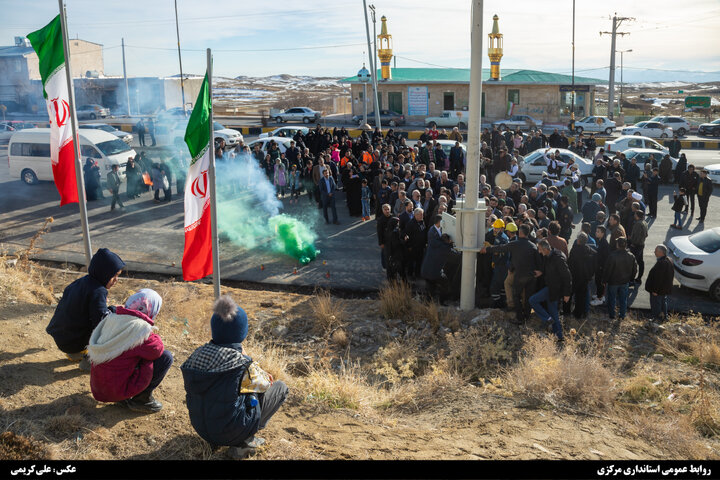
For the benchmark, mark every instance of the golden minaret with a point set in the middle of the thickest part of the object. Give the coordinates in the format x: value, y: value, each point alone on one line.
x: 385, y: 50
x: 495, y: 50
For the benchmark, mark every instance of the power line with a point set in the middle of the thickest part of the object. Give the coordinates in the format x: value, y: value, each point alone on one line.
x: 431, y: 64
x: 282, y: 49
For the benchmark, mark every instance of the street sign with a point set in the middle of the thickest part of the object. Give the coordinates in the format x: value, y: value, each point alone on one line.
x: 697, y: 102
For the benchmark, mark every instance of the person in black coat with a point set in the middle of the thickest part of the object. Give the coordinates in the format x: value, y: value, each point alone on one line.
x: 582, y: 268
x: 381, y: 224
x: 689, y: 181
x: 558, y: 286
x: 680, y: 167
x: 659, y: 283
x: 83, y: 305
x: 704, y: 192
x: 436, y: 254
x: 91, y: 173
x: 651, y: 183
x: 395, y: 250
x: 613, y: 187
x: 603, y: 250
x: 415, y: 237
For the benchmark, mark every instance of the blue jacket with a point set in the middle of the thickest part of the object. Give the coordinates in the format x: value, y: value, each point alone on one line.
x: 435, y: 256
x: 218, y: 412
x: 84, y: 303
x: 323, y: 187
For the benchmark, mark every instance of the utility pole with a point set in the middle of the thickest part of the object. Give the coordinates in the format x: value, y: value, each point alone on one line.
x: 572, y: 110
x: 373, y: 67
x: 182, y: 84
x: 127, y: 88
x: 469, y: 214
x: 621, y: 78
x: 617, y: 21
x: 372, y: 13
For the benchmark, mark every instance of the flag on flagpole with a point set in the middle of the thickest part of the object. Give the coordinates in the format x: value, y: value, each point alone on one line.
x: 197, y: 260
x: 510, y: 108
x: 48, y: 44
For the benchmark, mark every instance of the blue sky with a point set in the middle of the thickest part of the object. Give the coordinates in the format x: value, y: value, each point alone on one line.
x: 537, y: 34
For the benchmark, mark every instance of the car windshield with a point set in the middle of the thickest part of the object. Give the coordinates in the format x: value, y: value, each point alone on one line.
x: 218, y: 126
x: 629, y: 154
x: 113, y: 147
x: 708, y: 241
x: 585, y: 119
x: 641, y: 124
x: 716, y: 122
x: 106, y: 128
x: 533, y: 156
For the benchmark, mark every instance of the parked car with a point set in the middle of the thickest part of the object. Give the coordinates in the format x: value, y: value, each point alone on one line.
x: 92, y: 111
x: 288, y: 132
x: 519, y: 122
x: 19, y: 124
x: 712, y: 128
x: 713, y: 172
x: 6, y: 131
x: 648, y: 129
x: 532, y: 168
x: 642, y: 156
x: 387, y: 117
x: 595, y: 124
x: 175, y: 134
x: 696, y: 259
x: 283, y: 143
x: 449, y: 118
x: 29, y: 153
x: 448, y: 144
x: 678, y: 124
x: 124, y: 136
x: 298, y: 114
x: 621, y: 144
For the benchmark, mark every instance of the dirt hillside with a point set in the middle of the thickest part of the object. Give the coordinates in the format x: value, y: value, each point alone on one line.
x: 425, y: 384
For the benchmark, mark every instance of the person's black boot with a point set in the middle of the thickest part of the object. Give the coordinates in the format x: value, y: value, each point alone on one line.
x: 143, y: 403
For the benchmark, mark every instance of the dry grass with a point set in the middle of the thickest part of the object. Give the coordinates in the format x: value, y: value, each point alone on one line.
x: 567, y: 377
x: 396, y: 300
x: 478, y: 351
x: 329, y: 313
x: 673, y: 434
x: 343, y: 387
x: 433, y: 388
x: 24, y: 282
x: 641, y: 389
x: 399, y: 360
x: 19, y: 447
x: 705, y: 415
x: 691, y: 342
x: 435, y: 315
x: 65, y: 425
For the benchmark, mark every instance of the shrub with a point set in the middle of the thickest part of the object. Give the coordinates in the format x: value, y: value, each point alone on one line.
x: 566, y: 377
x: 347, y: 387
x: 396, y: 300
x: 329, y: 313
x: 478, y: 351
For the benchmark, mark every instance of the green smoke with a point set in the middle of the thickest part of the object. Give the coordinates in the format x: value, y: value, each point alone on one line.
x: 294, y: 238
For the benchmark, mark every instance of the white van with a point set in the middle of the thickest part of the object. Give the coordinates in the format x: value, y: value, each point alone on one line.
x: 29, y: 153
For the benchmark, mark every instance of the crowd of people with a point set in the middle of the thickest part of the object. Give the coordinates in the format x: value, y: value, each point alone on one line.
x: 229, y: 396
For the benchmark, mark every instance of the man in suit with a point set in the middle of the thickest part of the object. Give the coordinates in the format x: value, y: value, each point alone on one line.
x: 438, y: 248
x: 415, y: 237
x: 689, y: 180
x: 317, y: 175
x: 704, y: 192
x: 328, y: 189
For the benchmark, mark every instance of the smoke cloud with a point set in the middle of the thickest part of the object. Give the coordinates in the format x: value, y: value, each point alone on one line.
x: 249, y: 212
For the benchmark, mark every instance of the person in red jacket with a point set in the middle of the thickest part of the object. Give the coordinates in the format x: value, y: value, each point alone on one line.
x: 128, y: 358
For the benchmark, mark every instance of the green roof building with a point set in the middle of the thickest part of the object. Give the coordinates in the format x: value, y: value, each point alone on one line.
x: 419, y: 93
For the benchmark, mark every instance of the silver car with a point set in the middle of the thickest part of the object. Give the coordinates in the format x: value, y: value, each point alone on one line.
x: 124, y: 136
x: 298, y: 114
x: 92, y: 111
x: 519, y: 121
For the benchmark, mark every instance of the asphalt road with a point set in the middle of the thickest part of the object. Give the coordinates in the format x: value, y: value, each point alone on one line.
x: 149, y: 237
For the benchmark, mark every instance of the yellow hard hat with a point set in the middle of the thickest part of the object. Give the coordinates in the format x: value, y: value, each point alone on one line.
x: 511, y: 227
x: 499, y: 223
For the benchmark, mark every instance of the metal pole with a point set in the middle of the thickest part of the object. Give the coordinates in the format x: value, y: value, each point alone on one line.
x: 73, y: 123
x: 213, y: 190
x: 621, y: 80
x: 470, y: 218
x: 572, y: 111
x: 373, y: 68
x: 372, y: 12
x: 365, y: 103
x: 611, y: 82
x: 182, y: 84
x: 127, y: 88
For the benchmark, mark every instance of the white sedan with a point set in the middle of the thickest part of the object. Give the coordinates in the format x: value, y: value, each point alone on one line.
x: 649, y: 129
x: 595, y: 124
x: 621, y: 144
x: 283, y: 143
x: 713, y: 172
x: 532, y: 168
x: 642, y: 156
x: 288, y: 132
x: 696, y: 259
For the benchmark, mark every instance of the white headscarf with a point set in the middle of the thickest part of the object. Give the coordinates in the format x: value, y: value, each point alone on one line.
x: 145, y: 301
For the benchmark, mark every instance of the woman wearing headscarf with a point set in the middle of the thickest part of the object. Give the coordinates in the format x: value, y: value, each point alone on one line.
x: 128, y: 358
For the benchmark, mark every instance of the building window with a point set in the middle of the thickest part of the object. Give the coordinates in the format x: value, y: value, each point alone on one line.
x: 449, y: 101
x: 514, y: 96
x: 395, y: 102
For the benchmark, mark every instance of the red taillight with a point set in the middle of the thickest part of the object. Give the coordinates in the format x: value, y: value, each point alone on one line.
x: 691, y: 262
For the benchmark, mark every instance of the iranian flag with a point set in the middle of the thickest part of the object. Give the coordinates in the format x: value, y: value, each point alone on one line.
x: 197, y: 257
x: 48, y: 44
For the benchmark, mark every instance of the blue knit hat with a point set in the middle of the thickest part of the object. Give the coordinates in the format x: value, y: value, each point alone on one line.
x: 229, y: 322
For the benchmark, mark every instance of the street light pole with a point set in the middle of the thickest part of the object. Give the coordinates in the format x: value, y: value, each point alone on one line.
x: 373, y: 68
x: 182, y: 84
x: 572, y: 110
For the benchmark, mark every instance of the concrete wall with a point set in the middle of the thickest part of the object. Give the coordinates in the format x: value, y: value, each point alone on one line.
x: 173, y: 92
x: 16, y: 85
x: 85, y: 56
x: 539, y: 101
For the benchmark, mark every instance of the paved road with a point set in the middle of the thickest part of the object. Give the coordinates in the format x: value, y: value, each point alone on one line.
x: 149, y: 238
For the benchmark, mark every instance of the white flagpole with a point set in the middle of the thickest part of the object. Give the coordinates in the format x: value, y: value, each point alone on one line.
x: 73, y: 123
x: 213, y: 190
